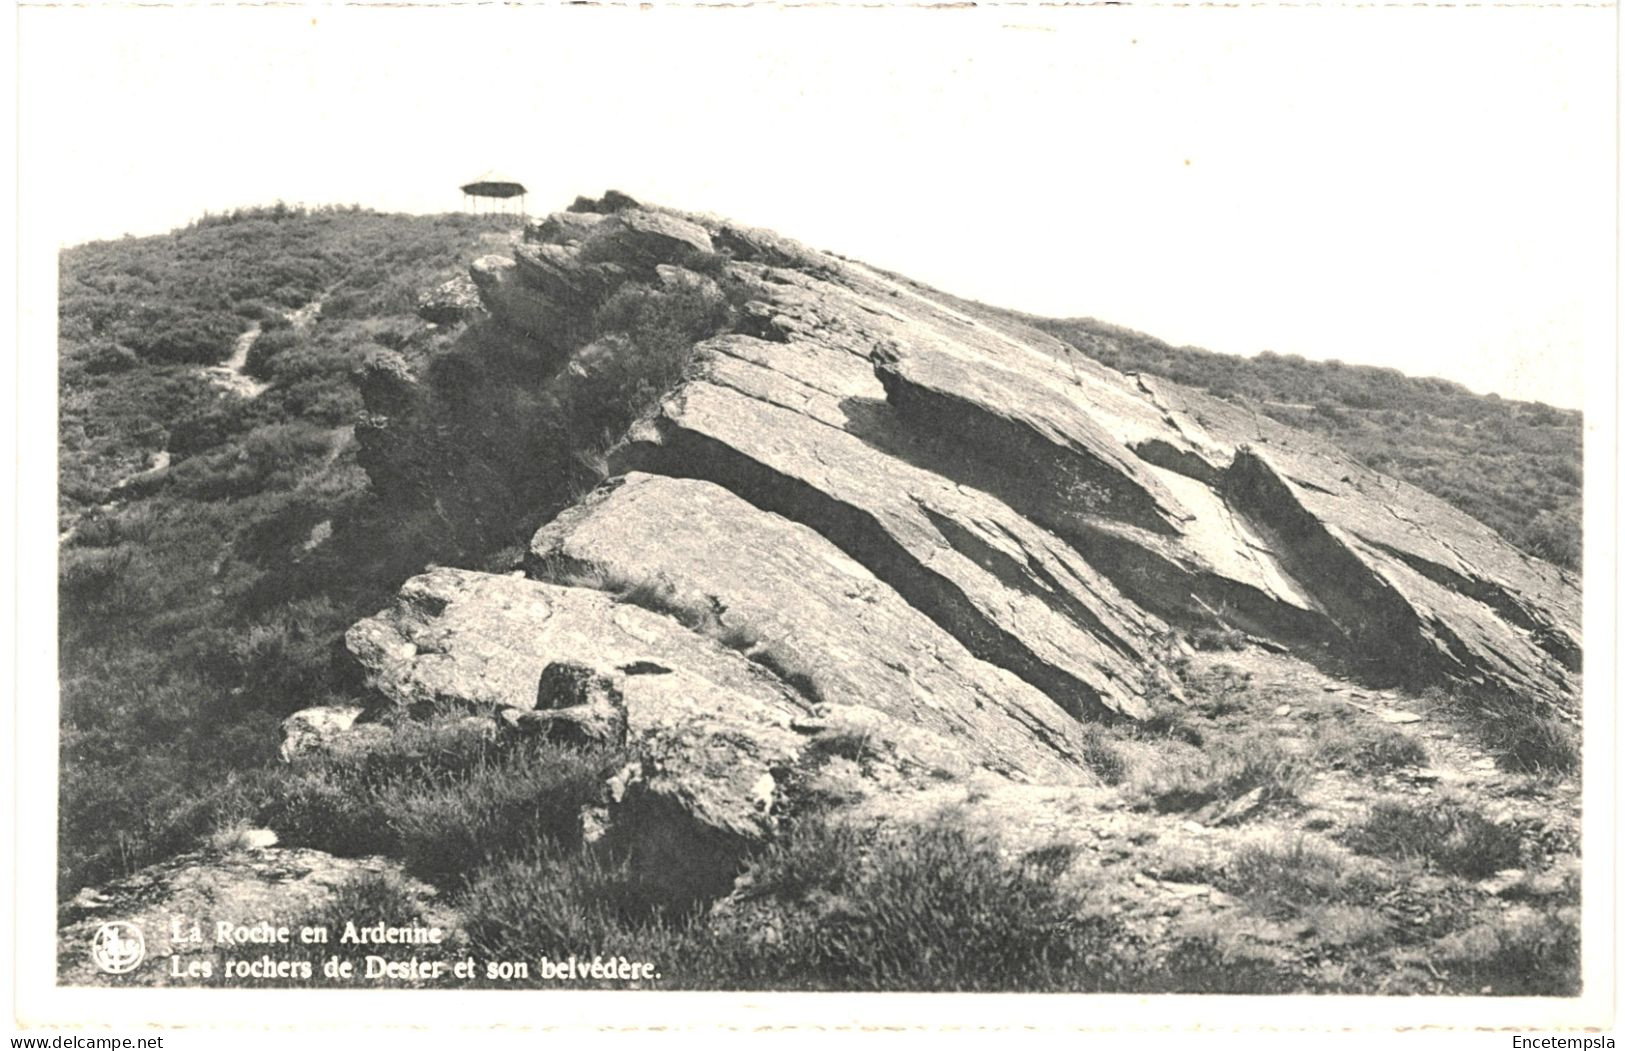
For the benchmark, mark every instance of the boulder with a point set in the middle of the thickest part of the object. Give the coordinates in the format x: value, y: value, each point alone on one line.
x: 756, y: 245
x: 680, y: 279
x: 314, y: 729
x: 563, y: 280
x: 562, y: 228
x: 640, y: 240
x: 517, y: 307
x: 575, y: 704
x: 472, y: 641
x: 449, y: 303
x: 612, y: 201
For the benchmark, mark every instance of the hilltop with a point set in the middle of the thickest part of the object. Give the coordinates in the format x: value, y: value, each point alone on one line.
x: 667, y: 587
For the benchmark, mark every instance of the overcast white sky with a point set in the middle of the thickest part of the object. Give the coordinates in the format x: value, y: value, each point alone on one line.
x: 1430, y: 189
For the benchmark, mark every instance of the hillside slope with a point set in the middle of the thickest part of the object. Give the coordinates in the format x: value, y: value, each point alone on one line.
x: 215, y: 524
x: 858, y: 639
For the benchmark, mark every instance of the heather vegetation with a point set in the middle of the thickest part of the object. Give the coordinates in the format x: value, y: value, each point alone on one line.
x: 201, y: 602
x: 1514, y: 466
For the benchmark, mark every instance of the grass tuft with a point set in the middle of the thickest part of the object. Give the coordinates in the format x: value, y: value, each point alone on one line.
x: 1362, y: 747
x: 825, y: 907
x: 440, y: 797
x: 1444, y: 832
x: 1521, y: 738
x: 1524, y: 953
x: 1297, y: 872
x: 1225, y: 772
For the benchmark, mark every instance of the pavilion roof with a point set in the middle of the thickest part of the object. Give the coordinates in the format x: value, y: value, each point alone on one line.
x: 493, y: 184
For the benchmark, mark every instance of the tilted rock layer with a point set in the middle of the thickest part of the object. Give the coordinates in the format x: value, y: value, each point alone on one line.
x: 874, y: 531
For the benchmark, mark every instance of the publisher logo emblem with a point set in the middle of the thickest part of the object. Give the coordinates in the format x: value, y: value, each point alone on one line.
x: 118, y: 947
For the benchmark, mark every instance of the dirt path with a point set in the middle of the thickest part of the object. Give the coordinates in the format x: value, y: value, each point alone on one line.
x: 157, y: 463
x: 231, y: 375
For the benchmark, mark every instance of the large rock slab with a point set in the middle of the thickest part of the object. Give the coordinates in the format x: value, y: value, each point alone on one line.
x: 1012, y: 593
x: 310, y: 731
x: 460, y: 639
x: 1139, y: 477
x: 714, y: 743
x: 562, y: 228
x: 1052, y: 514
x: 563, y: 280
x: 810, y: 610
x: 1072, y: 467
x: 639, y: 239
x: 1253, y: 525
x: 517, y: 307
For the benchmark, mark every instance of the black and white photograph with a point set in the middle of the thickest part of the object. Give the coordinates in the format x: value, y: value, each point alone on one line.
x: 1106, y: 503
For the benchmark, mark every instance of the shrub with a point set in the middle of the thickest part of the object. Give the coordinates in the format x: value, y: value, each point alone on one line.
x: 499, y: 809
x: 1521, y: 953
x: 1103, y: 757
x: 87, y: 576
x: 556, y: 901
x: 208, y: 426
x: 1171, y: 720
x: 282, y: 659
x: 443, y: 796
x: 1216, y: 639
x: 1449, y: 834
x: 190, y: 340
x: 267, y: 345
x: 1218, y: 957
x: 1535, y: 744
x: 1220, y: 690
x: 111, y: 358
x: 1366, y: 748
x: 115, y: 819
x: 1297, y: 872
x: 928, y: 907
x: 1551, y: 535
x: 824, y: 907
x: 1225, y: 772
x: 1521, y: 737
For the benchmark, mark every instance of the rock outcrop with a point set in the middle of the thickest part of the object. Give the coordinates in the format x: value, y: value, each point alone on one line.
x: 454, y: 301
x: 313, y: 730
x: 712, y: 742
x: 868, y: 513
x: 805, y: 609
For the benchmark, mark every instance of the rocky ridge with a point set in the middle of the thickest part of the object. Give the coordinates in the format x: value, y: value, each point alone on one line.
x: 876, y: 554
x: 882, y: 503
